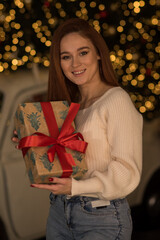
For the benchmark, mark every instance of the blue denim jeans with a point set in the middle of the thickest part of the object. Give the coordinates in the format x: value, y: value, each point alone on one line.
x: 75, y: 219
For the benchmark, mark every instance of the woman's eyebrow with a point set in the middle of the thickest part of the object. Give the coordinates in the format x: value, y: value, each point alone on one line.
x: 79, y: 49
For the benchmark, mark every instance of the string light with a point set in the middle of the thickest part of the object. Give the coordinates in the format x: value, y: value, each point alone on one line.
x: 132, y: 38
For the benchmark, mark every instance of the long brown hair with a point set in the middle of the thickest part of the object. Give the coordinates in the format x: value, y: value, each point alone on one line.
x: 59, y: 87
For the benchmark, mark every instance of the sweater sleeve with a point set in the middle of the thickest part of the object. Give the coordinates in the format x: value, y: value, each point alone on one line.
x: 124, y: 132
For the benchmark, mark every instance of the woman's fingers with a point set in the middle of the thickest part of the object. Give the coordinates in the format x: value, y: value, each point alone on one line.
x: 15, y: 139
x: 15, y: 132
x: 59, y: 186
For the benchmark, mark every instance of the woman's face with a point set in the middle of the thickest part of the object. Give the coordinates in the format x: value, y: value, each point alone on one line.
x: 79, y: 59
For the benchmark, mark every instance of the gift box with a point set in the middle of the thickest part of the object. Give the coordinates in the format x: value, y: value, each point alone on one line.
x: 50, y: 145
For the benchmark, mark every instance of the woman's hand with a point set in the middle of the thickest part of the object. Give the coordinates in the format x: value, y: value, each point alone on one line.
x: 59, y: 186
x: 15, y: 138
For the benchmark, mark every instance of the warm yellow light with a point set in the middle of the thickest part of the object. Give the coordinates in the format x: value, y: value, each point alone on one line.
x: 139, y: 25
x: 8, y: 18
x: 47, y: 33
x: 152, y: 98
x: 20, y: 62
x: 84, y: 11
x: 142, y: 3
x: 156, y: 76
x: 36, y: 59
x: 129, y: 37
x: 130, y: 5
x: 93, y: 4
x: 134, y: 82
x: 142, y: 109
x: 35, y: 25
x: 12, y: 12
x: 1, y: 6
x: 101, y: 7
x: 145, y: 36
x: 120, y: 53
x: 51, y: 21
x: 152, y: 2
x: 97, y: 28
x: 123, y: 23
x: 133, y: 67
x: 39, y: 22
x: 27, y: 48
x: 124, y: 78
x: 15, y: 41
x: 137, y: 10
x: 105, y: 25
x: 154, y: 21
x: 129, y: 77
x: 141, y: 77
x: 120, y: 29
x: 14, y: 48
x: 1, y: 68
x: 32, y: 52
x: 7, y: 48
x: 133, y: 97
x: 126, y: 13
x: 78, y: 13
x: 24, y: 58
x: 20, y: 34
x: 122, y: 63
x: 112, y: 57
x: 14, y: 67
x: 153, y: 32
x: 148, y: 104
x: 14, y: 61
x: 58, y: 5
x: 82, y: 4
x: 46, y: 63
x: 43, y: 39
x: 62, y: 13
x: 39, y: 35
x: 5, y: 65
x: 17, y: 26
x: 48, y: 15
x: 129, y: 56
x: 136, y: 4
x: 151, y: 86
x: 48, y: 43
x: 6, y: 55
x: 139, y: 98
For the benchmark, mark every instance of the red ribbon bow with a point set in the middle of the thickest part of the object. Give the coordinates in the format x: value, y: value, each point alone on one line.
x: 66, y: 138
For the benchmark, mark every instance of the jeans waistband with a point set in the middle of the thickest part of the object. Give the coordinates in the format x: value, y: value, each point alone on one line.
x: 77, y: 199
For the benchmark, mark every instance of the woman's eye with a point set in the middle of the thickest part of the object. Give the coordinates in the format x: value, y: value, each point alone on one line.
x: 65, y: 57
x: 83, y: 53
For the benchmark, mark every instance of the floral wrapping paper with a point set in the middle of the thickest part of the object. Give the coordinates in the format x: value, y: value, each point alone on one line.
x: 29, y: 118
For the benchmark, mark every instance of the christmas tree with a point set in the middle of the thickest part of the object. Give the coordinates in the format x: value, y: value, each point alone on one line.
x: 130, y: 29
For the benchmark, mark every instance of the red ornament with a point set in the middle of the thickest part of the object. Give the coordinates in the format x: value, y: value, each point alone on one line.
x: 46, y: 4
x: 103, y: 14
x: 148, y: 71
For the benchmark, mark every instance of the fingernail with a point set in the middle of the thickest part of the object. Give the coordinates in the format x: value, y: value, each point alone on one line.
x: 51, y: 179
x: 32, y: 185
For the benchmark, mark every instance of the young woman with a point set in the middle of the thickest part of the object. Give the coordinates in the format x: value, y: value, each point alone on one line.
x: 94, y: 207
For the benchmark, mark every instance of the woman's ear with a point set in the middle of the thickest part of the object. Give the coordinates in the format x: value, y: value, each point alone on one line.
x: 98, y: 57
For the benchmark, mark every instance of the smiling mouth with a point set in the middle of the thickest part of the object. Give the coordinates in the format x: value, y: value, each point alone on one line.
x: 77, y: 73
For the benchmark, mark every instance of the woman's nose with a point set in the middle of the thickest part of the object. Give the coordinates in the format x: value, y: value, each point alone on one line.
x: 75, y: 61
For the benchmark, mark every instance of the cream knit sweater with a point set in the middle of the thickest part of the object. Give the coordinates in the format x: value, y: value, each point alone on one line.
x: 113, y: 129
